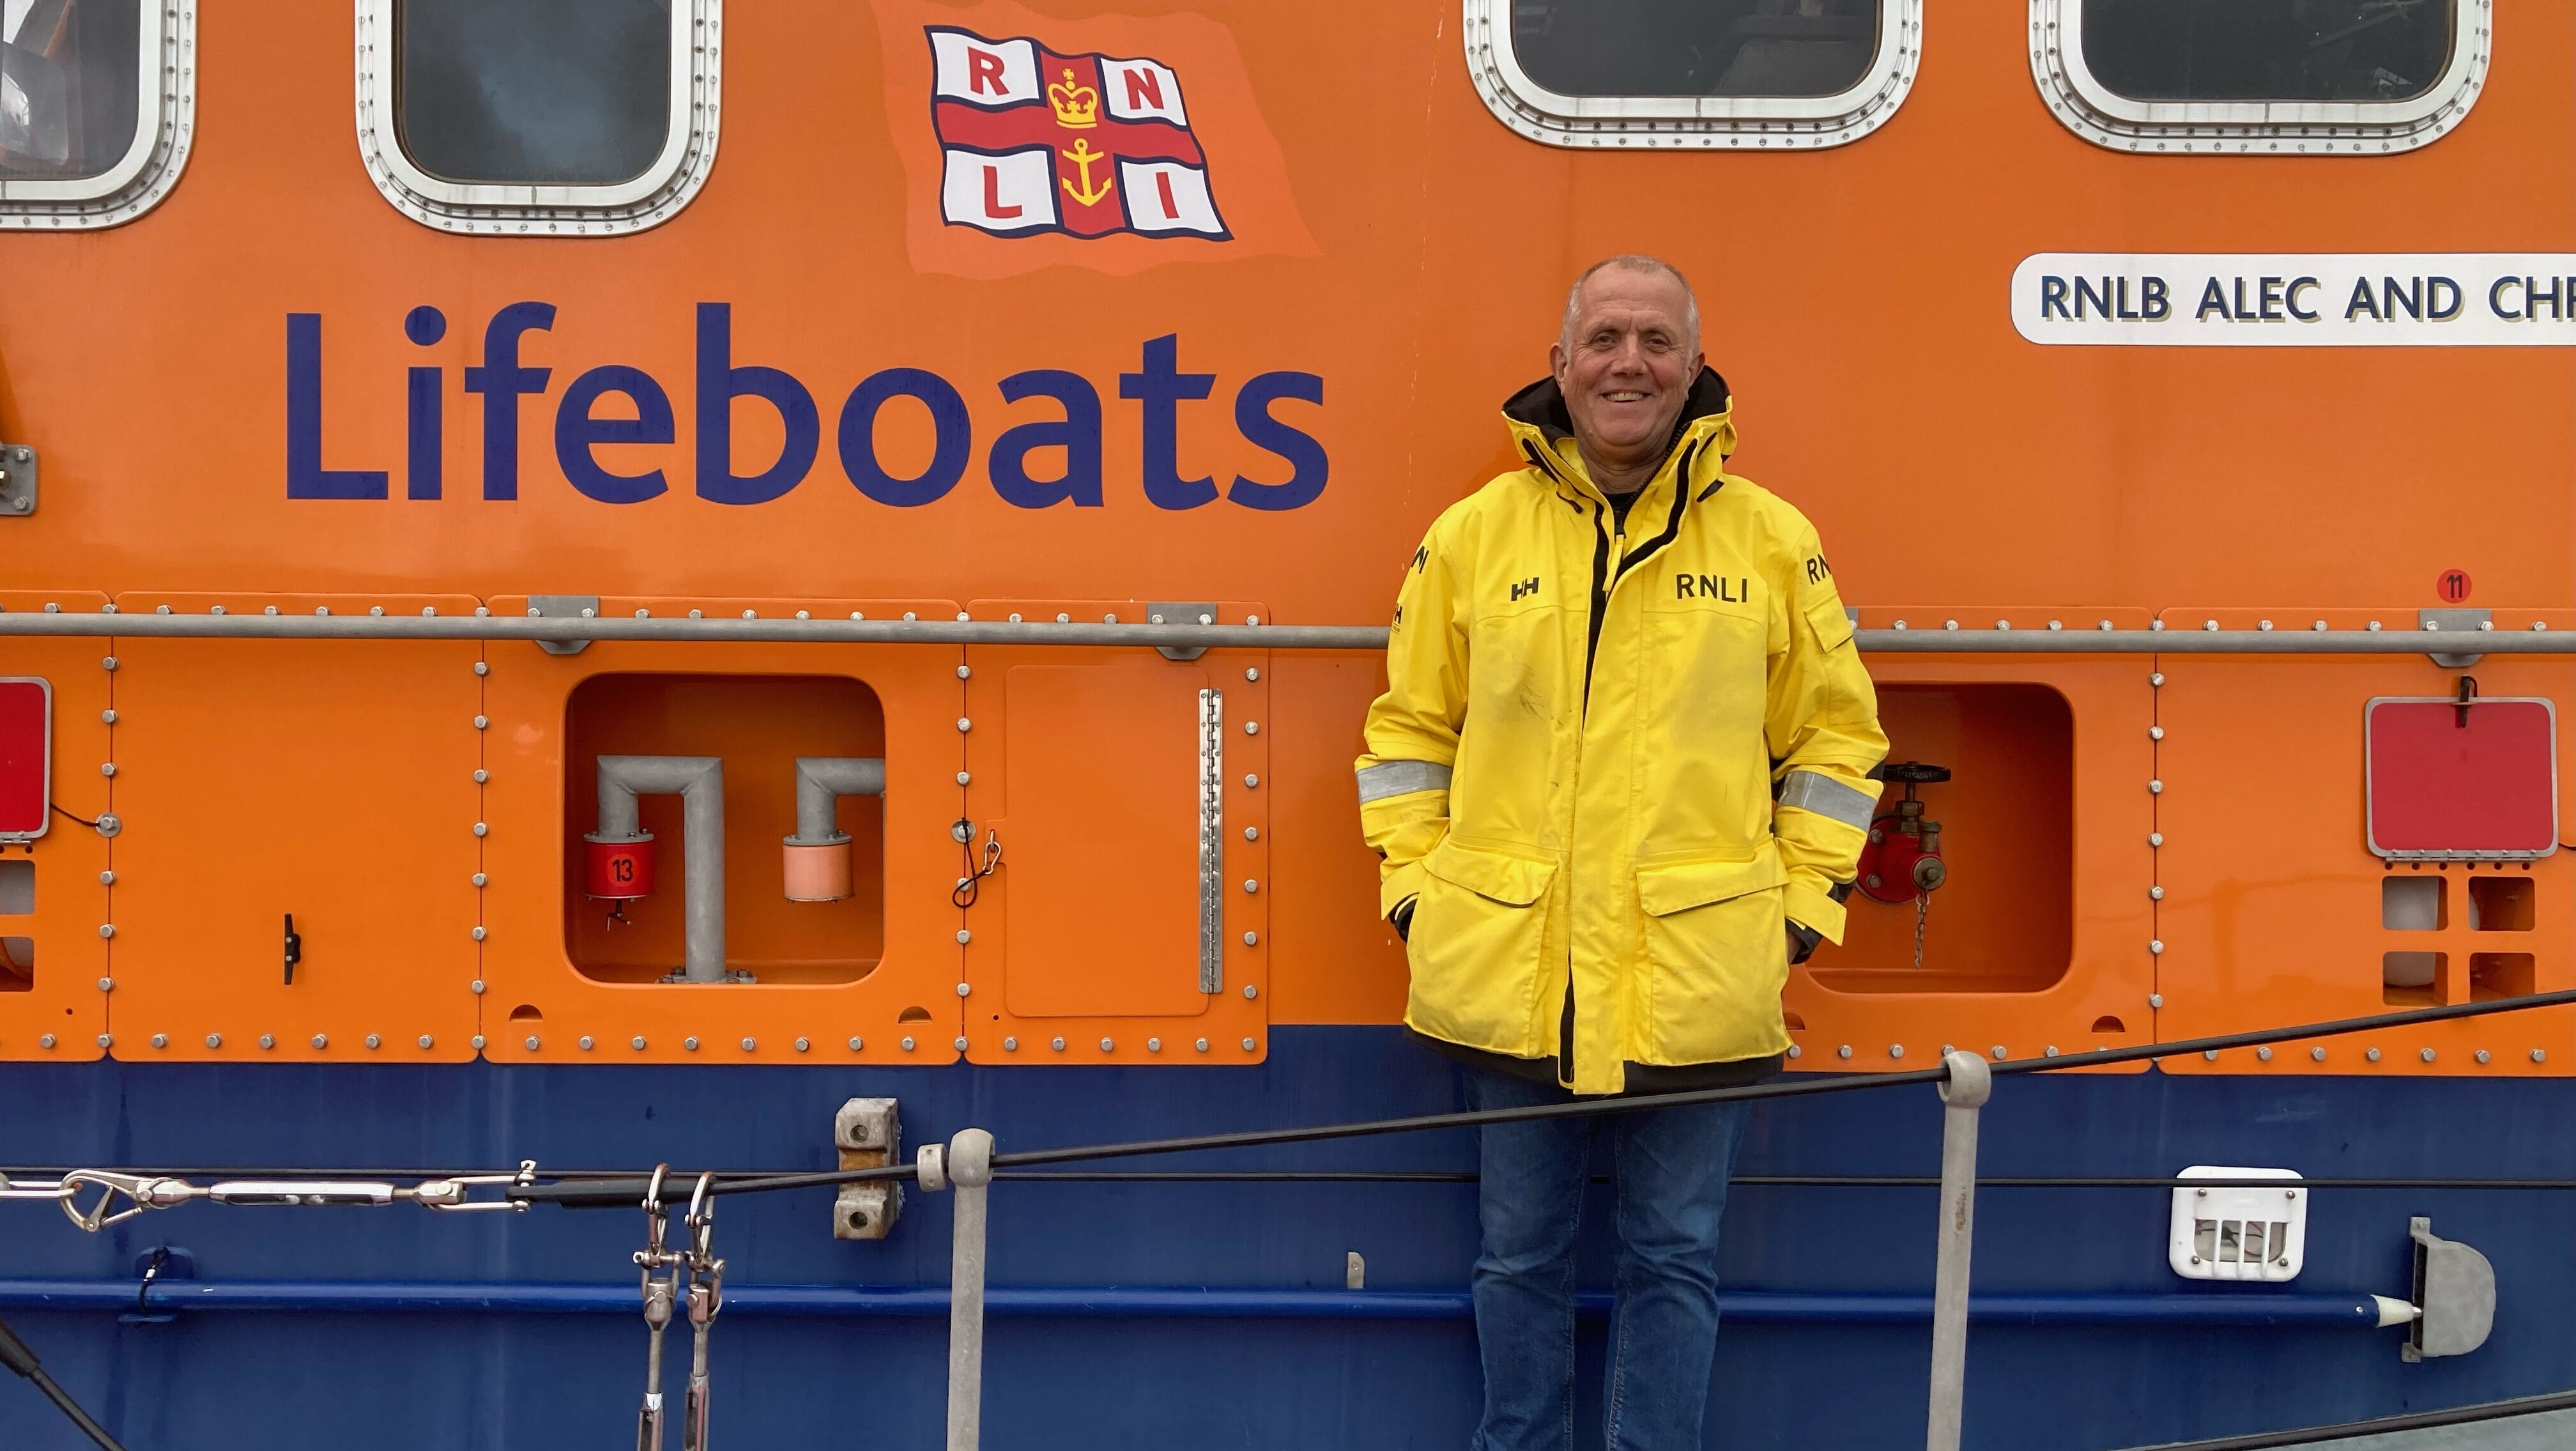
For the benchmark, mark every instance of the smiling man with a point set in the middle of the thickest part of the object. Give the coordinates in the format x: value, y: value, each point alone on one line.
x: 1620, y: 780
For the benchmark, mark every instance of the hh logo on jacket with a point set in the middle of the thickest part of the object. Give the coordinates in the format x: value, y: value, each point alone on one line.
x: 1523, y: 587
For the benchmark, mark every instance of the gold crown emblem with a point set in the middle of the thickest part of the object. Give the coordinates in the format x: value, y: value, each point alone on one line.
x: 1077, y: 106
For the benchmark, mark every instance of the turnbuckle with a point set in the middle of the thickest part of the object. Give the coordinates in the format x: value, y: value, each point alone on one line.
x: 53, y: 1189
x: 455, y: 1194
x: 661, y: 1273
x: 143, y: 1192
x: 706, y: 1297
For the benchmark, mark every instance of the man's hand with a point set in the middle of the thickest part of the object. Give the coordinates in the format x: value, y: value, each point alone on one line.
x: 1802, y: 943
x: 1402, y: 919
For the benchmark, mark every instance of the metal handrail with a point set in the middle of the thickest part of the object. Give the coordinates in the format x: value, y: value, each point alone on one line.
x: 484, y: 625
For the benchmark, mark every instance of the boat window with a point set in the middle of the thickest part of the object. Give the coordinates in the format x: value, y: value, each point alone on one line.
x: 1778, y: 74
x: 538, y: 117
x: 93, y: 130
x: 2268, y: 50
x: 2318, y: 77
x: 508, y: 90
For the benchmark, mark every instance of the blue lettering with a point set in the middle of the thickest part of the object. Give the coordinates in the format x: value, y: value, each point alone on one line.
x: 948, y: 421
x: 2052, y: 299
x: 578, y: 431
x: 2363, y: 301
x: 501, y: 380
x: 1308, y: 467
x: 2212, y: 299
x: 425, y: 410
x: 1078, y: 434
x: 1160, y: 387
x: 719, y: 383
x: 2291, y: 298
x: 2435, y: 309
x: 305, y: 476
x: 2152, y: 295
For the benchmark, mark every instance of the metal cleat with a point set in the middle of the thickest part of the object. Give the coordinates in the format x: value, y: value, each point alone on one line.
x: 868, y: 1134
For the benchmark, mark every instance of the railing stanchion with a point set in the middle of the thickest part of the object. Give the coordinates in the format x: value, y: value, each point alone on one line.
x: 967, y: 1164
x: 1962, y: 1097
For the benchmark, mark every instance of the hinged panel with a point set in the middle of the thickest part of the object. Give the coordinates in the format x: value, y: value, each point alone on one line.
x: 294, y: 873
x: 2036, y: 941
x: 575, y: 978
x: 2276, y: 913
x: 52, y: 899
x: 1128, y: 918
x: 2462, y: 777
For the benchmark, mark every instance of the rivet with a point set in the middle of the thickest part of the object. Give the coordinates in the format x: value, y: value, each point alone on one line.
x: 854, y: 1045
x: 476, y: 1042
x: 1252, y: 939
x: 1844, y: 1051
x: 1203, y: 1045
x: 477, y: 987
x: 1251, y: 885
x: 427, y: 1041
x: 689, y: 1044
x: 160, y: 1040
x: 1248, y: 1045
x: 2371, y: 1054
x: 2425, y: 1054
x: 1057, y: 1044
x: 2155, y: 1000
x: 532, y: 1043
x: 1010, y: 1045
x: 963, y: 937
x: 2264, y: 1053
x: 751, y: 1045
x: 321, y: 1040
x: 214, y: 1040
x: 907, y: 1045
x: 374, y: 1041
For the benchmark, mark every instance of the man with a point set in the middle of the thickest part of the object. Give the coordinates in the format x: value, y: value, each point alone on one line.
x: 1620, y: 780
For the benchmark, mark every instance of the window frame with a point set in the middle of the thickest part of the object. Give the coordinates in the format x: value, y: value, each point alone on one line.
x: 1750, y: 123
x: 678, y: 171
x: 2289, y: 128
x: 165, y: 124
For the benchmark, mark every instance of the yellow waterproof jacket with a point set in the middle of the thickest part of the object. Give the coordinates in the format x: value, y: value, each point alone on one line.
x: 1617, y: 760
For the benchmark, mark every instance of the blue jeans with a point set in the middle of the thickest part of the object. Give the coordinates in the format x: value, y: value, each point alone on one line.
x: 1669, y: 1168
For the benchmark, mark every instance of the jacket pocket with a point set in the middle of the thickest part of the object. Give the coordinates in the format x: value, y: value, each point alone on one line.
x: 1477, y: 944
x: 1717, y: 956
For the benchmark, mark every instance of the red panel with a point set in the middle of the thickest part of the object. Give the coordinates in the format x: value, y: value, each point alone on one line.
x: 26, y: 720
x: 2445, y: 782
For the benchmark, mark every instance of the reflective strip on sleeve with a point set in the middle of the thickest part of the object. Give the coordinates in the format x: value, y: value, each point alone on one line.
x: 1827, y: 797
x: 1396, y: 778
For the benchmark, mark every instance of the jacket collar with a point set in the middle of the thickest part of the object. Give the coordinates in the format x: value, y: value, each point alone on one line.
x: 1544, y: 434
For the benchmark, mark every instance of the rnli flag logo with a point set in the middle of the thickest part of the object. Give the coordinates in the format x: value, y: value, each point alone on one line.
x: 1093, y: 145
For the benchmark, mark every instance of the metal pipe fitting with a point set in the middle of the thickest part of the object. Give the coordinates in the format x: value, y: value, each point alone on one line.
x: 815, y: 862
x: 699, y: 783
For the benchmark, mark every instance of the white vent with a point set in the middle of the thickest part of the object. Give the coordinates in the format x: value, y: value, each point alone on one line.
x: 2238, y: 1233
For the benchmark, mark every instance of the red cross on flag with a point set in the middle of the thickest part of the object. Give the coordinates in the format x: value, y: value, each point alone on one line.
x: 1114, y: 142
x: 1032, y: 140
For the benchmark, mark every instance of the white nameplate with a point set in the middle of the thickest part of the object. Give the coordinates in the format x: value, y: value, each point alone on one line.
x: 2297, y: 300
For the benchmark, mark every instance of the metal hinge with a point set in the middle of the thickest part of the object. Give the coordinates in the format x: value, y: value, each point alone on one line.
x: 564, y: 607
x: 17, y: 479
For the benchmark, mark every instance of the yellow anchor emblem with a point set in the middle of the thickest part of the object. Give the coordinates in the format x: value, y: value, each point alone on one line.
x: 1082, y: 156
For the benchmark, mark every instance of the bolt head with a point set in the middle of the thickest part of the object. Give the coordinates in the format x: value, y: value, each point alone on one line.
x: 854, y: 1044
x: 476, y: 1042
x: 907, y: 1045
x: 750, y: 1045
x: 1252, y: 939
x: 481, y: 880
x: 375, y: 1041
x: 2155, y: 1000
x: 2317, y: 1055
x: 214, y: 1040
x: 427, y: 1041
x: 963, y: 937
x: 689, y: 1045
x: 482, y: 722
x: 963, y: 778
x: 1153, y: 1045
x: 107, y: 929
x: 531, y: 1044
x: 965, y: 724
x: 46, y: 1041
x: 1203, y: 1045
x: 107, y: 984
x: 1108, y: 1045
x: 1250, y: 781
x: 802, y: 1044
x: 480, y: 934
x: 1056, y: 1043
x: 160, y: 1040
x: 478, y: 987
x: 107, y: 1040
x: 1845, y: 1051
x: 1249, y: 1045
x: 321, y: 1040
x: 2371, y: 1054
x: 1010, y: 1045
x: 2539, y: 1055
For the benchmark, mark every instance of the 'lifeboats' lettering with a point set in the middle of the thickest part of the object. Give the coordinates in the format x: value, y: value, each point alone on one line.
x: 587, y: 420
